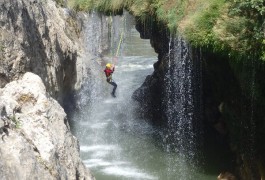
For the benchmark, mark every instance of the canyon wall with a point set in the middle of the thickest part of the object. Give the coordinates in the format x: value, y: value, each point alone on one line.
x: 231, y: 97
x: 38, y: 37
x: 42, y: 38
x: 36, y: 139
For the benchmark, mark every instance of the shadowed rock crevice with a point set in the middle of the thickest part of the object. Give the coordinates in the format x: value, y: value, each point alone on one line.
x: 151, y: 92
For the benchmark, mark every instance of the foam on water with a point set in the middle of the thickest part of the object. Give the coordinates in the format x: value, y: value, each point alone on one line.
x: 96, y: 163
x: 127, y: 172
x: 101, y: 163
x: 115, y: 143
x: 99, y: 147
x: 133, y: 67
x: 99, y: 125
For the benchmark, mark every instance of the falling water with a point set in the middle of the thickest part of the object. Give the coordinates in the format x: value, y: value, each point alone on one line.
x: 115, y: 144
x: 106, y: 126
x: 94, y: 36
x: 179, y: 136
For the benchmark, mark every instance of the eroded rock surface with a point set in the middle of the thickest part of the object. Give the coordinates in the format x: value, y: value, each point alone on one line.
x: 39, y: 37
x: 40, y: 144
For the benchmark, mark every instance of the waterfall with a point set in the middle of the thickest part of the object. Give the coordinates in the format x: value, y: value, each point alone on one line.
x: 101, y: 35
x: 93, y: 34
x: 105, y: 126
x: 114, y: 142
x: 91, y: 70
x: 181, y: 109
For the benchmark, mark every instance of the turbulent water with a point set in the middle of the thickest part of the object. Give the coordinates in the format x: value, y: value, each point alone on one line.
x: 114, y: 143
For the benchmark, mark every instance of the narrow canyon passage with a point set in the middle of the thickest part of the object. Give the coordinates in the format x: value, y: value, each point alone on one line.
x: 114, y: 143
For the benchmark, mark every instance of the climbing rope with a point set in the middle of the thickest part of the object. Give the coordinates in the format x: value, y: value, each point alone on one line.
x: 118, y: 48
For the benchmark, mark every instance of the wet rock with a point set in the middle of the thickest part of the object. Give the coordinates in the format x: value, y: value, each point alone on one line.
x: 148, y: 97
x: 226, y: 176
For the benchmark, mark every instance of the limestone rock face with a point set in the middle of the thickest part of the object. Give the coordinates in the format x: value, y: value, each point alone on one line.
x: 40, y: 144
x: 36, y: 36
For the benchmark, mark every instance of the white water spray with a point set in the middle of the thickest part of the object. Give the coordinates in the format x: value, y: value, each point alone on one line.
x: 114, y: 143
x: 179, y: 136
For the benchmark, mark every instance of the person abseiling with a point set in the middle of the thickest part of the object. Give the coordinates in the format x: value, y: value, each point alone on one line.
x: 108, y: 72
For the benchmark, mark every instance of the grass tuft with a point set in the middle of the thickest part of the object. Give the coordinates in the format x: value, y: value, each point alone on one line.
x: 232, y: 25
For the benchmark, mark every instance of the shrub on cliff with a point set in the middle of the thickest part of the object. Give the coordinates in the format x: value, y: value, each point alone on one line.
x: 234, y: 27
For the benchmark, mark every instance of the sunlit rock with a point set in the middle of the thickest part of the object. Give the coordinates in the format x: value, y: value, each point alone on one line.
x: 40, y: 144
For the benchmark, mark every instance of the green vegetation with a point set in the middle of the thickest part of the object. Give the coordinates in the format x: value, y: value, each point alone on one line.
x: 242, y: 28
x: 234, y: 26
x: 16, y: 122
x: 60, y: 2
x: 2, y: 47
x: 99, y: 5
